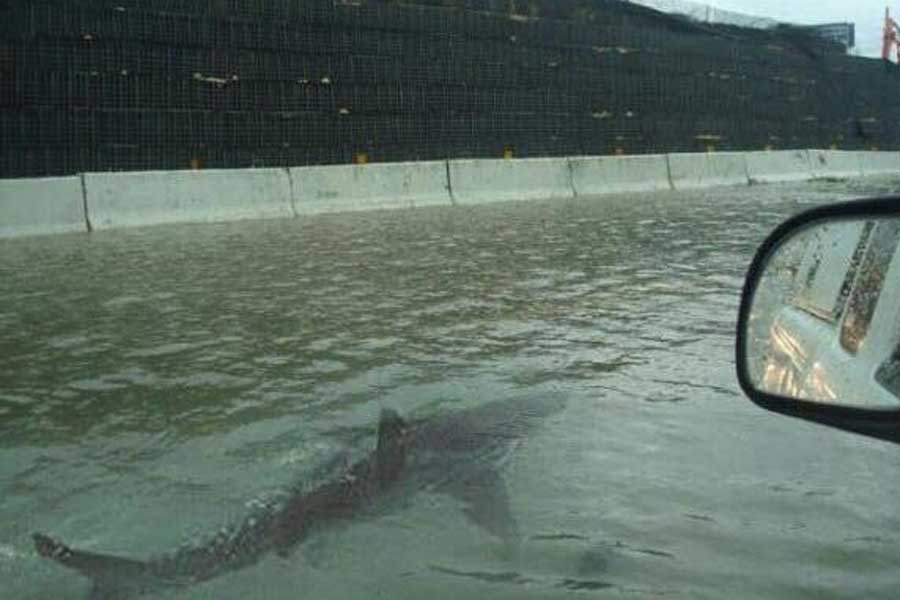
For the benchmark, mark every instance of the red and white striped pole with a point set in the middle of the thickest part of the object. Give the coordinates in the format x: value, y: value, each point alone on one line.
x: 890, y: 36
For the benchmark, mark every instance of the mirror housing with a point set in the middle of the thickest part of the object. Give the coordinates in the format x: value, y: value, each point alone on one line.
x: 801, y: 347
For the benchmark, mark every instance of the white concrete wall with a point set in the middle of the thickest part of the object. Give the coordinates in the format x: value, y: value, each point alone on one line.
x: 695, y: 171
x: 41, y: 206
x: 879, y: 163
x: 151, y: 198
x: 480, y: 181
x: 840, y: 164
x: 367, y: 187
x: 779, y: 166
x: 113, y: 200
x: 611, y: 174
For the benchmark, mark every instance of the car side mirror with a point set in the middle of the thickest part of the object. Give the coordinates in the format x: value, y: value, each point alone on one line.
x: 819, y: 327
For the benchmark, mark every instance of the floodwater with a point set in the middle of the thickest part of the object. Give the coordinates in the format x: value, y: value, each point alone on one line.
x: 156, y: 383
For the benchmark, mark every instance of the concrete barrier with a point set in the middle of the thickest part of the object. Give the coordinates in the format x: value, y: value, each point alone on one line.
x: 779, y: 166
x: 480, y: 181
x: 113, y: 200
x: 879, y: 163
x: 367, y: 187
x: 41, y: 206
x: 611, y: 174
x: 693, y: 171
x: 839, y: 164
x: 150, y: 198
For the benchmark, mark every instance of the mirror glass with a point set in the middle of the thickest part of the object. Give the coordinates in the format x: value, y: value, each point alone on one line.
x: 824, y: 323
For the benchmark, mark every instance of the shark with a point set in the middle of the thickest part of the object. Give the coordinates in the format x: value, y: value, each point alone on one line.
x: 459, y: 454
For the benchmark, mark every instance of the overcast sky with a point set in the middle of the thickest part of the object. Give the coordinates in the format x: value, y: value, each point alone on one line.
x: 867, y: 14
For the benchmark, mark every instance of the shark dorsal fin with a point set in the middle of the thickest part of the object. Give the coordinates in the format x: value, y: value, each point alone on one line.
x: 390, y: 454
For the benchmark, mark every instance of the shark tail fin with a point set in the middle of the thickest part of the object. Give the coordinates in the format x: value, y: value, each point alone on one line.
x: 51, y: 548
x: 113, y: 578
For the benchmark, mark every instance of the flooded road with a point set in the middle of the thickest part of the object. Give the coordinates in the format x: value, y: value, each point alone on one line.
x: 157, y: 383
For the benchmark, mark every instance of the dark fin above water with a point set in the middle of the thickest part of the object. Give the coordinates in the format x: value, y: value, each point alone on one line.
x: 390, y: 452
x: 486, y: 502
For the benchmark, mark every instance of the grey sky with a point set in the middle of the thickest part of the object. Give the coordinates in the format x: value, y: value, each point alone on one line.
x: 867, y: 14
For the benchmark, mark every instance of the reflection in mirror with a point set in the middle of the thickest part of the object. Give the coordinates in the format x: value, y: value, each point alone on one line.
x: 824, y: 323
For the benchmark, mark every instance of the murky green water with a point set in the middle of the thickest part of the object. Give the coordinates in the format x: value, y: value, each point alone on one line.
x: 155, y: 383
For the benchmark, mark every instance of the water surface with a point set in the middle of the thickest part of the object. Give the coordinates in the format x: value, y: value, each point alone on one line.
x: 156, y: 383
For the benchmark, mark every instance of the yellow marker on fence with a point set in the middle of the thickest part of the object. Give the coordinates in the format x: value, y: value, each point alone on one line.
x: 508, y: 152
x: 709, y: 141
x: 361, y: 158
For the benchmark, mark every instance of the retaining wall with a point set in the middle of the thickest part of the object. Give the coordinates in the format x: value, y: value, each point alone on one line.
x: 779, y: 166
x: 223, y: 83
x: 368, y: 187
x: 611, y: 174
x: 41, y: 206
x: 696, y: 171
x: 151, y: 198
x: 480, y: 181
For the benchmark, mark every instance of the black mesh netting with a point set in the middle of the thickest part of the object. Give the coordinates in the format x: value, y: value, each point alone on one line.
x: 94, y: 85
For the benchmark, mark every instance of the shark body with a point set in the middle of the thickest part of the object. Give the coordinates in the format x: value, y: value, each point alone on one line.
x: 457, y: 454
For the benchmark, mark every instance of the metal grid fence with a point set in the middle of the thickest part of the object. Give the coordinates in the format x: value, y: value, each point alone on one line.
x: 93, y: 85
